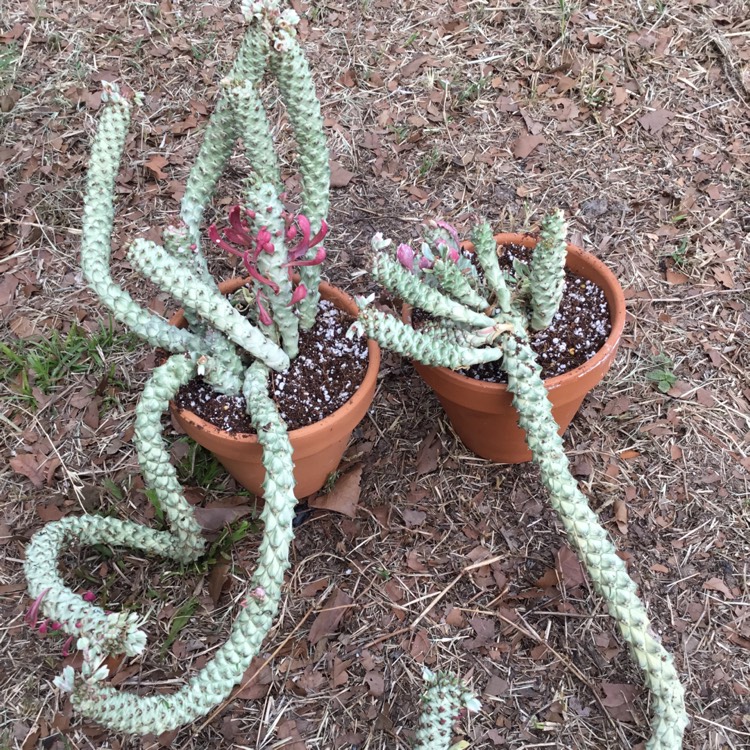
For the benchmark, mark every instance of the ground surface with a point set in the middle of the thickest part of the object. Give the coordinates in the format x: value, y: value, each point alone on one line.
x: 633, y: 117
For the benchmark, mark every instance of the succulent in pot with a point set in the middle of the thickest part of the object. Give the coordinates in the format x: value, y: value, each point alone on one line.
x: 234, y: 351
x: 576, y: 349
x: 481, y: 313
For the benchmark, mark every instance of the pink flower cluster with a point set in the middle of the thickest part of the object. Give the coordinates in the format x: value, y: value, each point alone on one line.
x: 239, y: 239
x: 31, y: 618
x: 407, y: 256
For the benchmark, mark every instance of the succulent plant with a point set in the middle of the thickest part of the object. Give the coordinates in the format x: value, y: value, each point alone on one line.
x: 233, y: 351
x: 480, y: 314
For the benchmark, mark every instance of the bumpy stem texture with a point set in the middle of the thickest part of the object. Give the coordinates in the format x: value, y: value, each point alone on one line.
x: 206, y: 303
x: 118, y: 632
x: 485, y: 248
x: 442, y: 702
x: 413, y: 290
x: 255, y: 130
x: 264, y: 201
x: 591, y: 542
x: 547, y: 276
x: 220, y: 136
x: 453, y: 283
x: 98, y: 217
x: 297, y: 90
x: 134, y: 714
x: 429, y: 348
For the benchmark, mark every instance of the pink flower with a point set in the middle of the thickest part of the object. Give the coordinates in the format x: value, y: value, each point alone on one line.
x: 405, y: 255
x: 89, y: 596
x: 32, y: 615
x: 298, y: 295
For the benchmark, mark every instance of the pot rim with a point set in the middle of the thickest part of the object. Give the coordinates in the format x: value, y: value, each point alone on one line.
x: 373, y: 366
x: 616, y: 307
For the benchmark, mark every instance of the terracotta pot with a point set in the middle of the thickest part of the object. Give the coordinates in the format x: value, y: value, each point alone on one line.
x: 483, y: 415
x: 318, y: 448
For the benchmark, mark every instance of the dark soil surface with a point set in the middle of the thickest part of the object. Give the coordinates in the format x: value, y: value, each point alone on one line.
x: 324, y: 376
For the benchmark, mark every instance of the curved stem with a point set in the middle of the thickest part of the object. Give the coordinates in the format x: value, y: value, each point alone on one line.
x: 592, y: 543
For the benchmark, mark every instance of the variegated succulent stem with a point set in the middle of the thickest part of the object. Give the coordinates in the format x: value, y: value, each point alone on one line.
x: 98, y: 216
x: 133, y: 714
x: 443, y: 700
x: 297, y: 90
x: 591, y: 542
x: 547, y: 275
x: 485, y: 248
x: 428, y: 347
x: 413, y: 290
x: 264, y: 201
x: 206, y: 303
x: 184, y: 542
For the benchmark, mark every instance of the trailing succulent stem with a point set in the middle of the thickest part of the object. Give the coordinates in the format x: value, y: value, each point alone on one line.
x: 135, y: 714
x: 442, y: 703
x: 464, y: 331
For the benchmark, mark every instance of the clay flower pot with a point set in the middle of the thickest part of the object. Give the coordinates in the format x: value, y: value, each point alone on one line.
x: 318, y: 448
x: 482, y: 414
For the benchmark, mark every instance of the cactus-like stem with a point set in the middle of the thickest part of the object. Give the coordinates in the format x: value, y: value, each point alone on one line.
x: 220, y: 136
x: 255, y: 131
x: 453, y: 283
x: 547, y: 276
x: 118, y: 632
x: 264, y: 201
x: 413, y: 290
x: 297, y: 90
x: 155, y: 263
x: 485, y: 248
x: 442, y: 702
x: 426, y: 347
x: 159, y: 474
x: 135, y: 714
x: 98, y: 216
x: 591, y: 542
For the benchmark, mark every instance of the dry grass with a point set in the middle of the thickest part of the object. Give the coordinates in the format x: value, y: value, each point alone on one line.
x: 654, y: 197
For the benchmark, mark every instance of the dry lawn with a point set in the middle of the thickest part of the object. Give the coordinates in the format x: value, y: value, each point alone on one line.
x: 633, y: 117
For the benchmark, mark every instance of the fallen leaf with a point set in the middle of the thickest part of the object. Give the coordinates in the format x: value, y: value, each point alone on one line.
x: 344, y: 495
x: 525, y: 144
x: 569, y: 568
x: 621, y: 516
x: 256, y: 682
x: 217, y: 517
x: 724, y: 277
x: 654, y: 121
x: 415, y: 64
x: 340, y: 177
x: 376, y: 683
x: 217, y: 580
x: 704, y: 398
x: 427, y: 458
x: 675, y: 277
x: 328, y: 619
x: 619, y: 699
x: 716, y: 584
x: 314, y: 588
x: 23, y: 327
x: 413, y: 518
x: 31, y: 465
x: 288, y: 730
x: 155, y: 164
